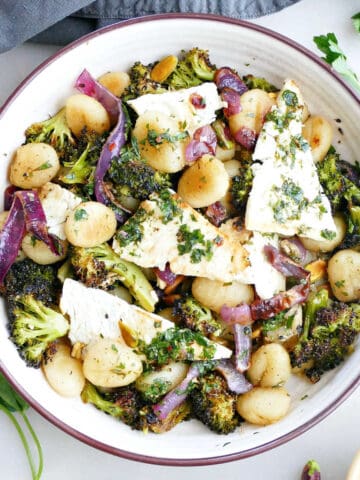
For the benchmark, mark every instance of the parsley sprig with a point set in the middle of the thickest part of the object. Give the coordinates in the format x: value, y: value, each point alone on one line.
x: 334, y: 56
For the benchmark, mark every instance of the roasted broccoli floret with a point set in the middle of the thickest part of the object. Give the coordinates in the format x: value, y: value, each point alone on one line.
x: 123, y: 403
x: 241, y: 184
x: 223, y: 134
x: 141, y: 82
x: 192, y: 70
x: 133, y: 177
x: 149, y: 421
x: 79, y: 161
x: 330, y: 329
x: 101, y: 267
x: 190, y: 313
x: 54, y: 131
x: 341, y: 191
x: 258, y: 82
x: 29, y: 278
x: 34, y: 327
x: 352, y: 236
x: 213, y: 404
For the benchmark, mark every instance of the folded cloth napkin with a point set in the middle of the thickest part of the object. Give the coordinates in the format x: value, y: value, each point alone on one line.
x: 60, y: 22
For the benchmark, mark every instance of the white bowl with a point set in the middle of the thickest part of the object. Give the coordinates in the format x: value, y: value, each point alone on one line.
x: 250, y: 49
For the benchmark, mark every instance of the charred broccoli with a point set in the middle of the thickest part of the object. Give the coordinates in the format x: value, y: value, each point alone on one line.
x: 192, y: 70
x: 330, y: 329
x: 190, y: 313
x: 141, y: 82
x: 29, y: 278
x: 34, y: 327
x: 259, y: 82
x: 241, y: 184
x: 213, y: 404
x: 133, y: 177
x: 150, y: 421
x: 101, y: 267
x: 123, y: 403
x: 54, y: 131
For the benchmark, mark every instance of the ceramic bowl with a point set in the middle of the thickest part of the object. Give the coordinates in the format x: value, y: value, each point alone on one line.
x: 249, y: 49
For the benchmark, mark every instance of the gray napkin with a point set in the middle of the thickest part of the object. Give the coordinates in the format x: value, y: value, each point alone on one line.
x: 60, y: 22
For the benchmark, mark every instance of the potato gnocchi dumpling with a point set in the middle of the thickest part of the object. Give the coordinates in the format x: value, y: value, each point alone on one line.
x: 269, y: 366
x: 167, y: 378
x: 109, y: 363
x: 63, y: 372
x: 157, y: 136
x: 214, y: 294
x: 39, y: 252
x: 255, y: 104
x: 34, y: 165
x: 115, y: 82
x: 327, y: 245
x: 203, y: 183
x: 83, y: 111
x: 90, y: 224
x: 263, y: 406
x: 319, y: 133
x: 344, y: 275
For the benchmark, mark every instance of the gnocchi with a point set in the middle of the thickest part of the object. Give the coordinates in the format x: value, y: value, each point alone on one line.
x: 108, y: 363
x: 319, y: 133
x: 327, y: 245
x: 90, y: 224
x: 115, y: 82
x: 34, y: 165
x: 83, y: 111
x: 203, y: 183
x: 39, y: 252
x: 344, y: 275
x: 270, y: 366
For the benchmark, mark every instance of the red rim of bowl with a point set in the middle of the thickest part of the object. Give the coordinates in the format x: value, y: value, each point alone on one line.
x: 181, y: 461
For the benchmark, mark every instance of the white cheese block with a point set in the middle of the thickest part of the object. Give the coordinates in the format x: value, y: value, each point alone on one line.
x: 286, y: 195
x: 177, y: 105
x: 57, y: 203
x: 95, y: 313
x: 214, y: 254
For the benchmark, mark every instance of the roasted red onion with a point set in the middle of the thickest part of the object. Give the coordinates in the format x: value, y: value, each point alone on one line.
x: 35, y: 219
x: 311, y: 471
x: 9, y: 196
x: 216, y: 213
x: 242, y: 339
x: 89, y: 86
x: 236, y: 381
x: 176, y: 396
x: 232, y: 99
x: 204, y: 141
x: 246, y: 137
x: 166, y: 275
x: 225, y: 77
x: 11, y: 236
x: 197, y: 101
x: 293, y: 248
x: 284, y: 264
x: 240, y: 314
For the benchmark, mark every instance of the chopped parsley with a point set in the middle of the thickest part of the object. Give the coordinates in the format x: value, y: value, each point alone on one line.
x: 328, y: 234
x: 156, y: 390
x: 290, y: 98
x: 155, y: 138
x: 80, y: 214
x: 194, y: 243
x: 168, y: 206
x: 132, y: 231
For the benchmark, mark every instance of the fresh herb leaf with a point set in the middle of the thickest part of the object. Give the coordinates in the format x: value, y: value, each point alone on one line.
x: 11, y: 402
x: 335, y: 57
x: 80, y: 214
x: 356, y: 21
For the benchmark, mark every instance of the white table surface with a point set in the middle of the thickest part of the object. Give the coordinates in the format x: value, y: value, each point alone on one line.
x: 333, y: 442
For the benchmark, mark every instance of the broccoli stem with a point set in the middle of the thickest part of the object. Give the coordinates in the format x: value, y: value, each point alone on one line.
x: 315, y: 301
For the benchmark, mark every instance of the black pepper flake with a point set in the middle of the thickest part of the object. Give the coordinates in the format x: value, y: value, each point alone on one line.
x: 340, y: 130
x: 338, y: 120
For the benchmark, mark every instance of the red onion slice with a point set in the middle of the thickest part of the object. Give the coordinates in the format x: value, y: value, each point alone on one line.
x: 9, y: 196
x: 232, y: 99
x: 197, y: 101
x: 216, y: 213
x: 246, y: 137
x: 225, y: 77
x: 293, y: 248
x: 86, y: 84
x: 236, y: 381
x: 284, y: 264
x: 240, y: 314
x: 176, y: 396
x: 204, y: 141
x: 195, y: 150
x: 242, y: 338
x: 166, y: 275
x: 11, y: 236
x: 35, y: 219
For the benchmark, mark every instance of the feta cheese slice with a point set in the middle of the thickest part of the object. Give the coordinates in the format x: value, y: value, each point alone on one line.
x: 178, y: 105
x: 286, y: 195
x: 57, y: 203
x: 96, y: 313
x: 165, y: 229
